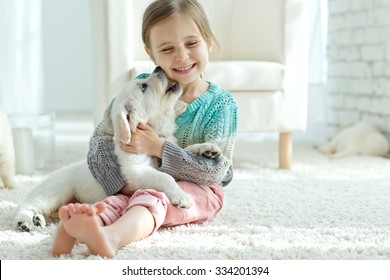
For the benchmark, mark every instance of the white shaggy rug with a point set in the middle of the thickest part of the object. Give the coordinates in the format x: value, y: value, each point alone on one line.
x: 321, y: 209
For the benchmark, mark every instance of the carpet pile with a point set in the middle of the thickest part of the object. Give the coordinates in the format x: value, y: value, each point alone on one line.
x: 321, y: 209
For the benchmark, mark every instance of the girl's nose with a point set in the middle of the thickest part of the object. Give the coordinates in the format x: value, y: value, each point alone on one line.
x: 181, y: 55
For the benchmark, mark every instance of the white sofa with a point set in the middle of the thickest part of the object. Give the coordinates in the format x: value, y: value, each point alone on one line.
x: 263, y: 60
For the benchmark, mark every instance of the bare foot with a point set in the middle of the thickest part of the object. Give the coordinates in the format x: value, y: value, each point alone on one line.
x: 63, y: 243
x: 82, y: 223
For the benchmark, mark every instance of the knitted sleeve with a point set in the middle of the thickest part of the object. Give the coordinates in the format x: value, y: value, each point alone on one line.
x: 103, y: 164
x: 101, y: 159
x: 184, y: 165
x: 220, y: 130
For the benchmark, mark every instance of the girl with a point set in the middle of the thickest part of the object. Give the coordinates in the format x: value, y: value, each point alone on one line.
x: 178, y: 38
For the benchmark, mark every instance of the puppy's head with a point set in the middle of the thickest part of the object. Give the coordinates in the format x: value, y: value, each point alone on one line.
x: 160, y: 93
x: 141, y: 100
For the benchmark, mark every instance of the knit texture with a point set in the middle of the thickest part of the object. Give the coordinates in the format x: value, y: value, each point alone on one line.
x: 212, y: 117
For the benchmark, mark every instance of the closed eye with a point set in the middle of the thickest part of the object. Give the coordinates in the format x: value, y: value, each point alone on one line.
x: 167, y: 50
x: 192, y: 43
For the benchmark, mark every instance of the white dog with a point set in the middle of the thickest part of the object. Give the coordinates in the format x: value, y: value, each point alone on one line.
x: 144, y: 100
x: 7, y: 153
x: 359, y: 139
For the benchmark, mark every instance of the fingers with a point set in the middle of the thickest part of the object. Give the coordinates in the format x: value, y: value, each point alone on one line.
x: 141, y: 141
x: 126, y: 148
x: 132, y: 149
x: 144, y: 126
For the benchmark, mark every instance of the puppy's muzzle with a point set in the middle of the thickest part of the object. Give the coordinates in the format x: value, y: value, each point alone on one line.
x: 172, y: 86
x: 174, y: 89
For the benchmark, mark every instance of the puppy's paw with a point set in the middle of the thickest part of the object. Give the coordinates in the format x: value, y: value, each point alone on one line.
x: 180, y: 199
x: 24, y: 221
x: 27, y: 221
x: 207, y: 150
x: 39, y: 220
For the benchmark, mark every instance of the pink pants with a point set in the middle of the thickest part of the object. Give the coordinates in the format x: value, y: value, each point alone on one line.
x: 207, y: 201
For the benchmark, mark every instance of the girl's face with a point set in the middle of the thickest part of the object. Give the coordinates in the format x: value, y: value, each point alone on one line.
x: 177, y: 46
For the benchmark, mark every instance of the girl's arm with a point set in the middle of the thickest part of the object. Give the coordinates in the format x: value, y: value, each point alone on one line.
x: 221, y: 129
x: 104, y: 166
x: 184, y: 165
x: 179, y: 163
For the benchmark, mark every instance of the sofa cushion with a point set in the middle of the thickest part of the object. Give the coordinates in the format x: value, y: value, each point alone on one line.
x: 246, y: 75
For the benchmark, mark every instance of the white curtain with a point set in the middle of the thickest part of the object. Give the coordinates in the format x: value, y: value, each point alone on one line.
x: 21, y: 67
x: 111, y: 28
x: 318, y: 40
x: 316, y: 120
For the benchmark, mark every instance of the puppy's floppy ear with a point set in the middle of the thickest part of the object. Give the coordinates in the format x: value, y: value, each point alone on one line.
x: 121, y: 126
x: 124, y: 133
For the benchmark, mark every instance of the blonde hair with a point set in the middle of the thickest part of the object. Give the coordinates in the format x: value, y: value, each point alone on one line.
x: 160, y: 10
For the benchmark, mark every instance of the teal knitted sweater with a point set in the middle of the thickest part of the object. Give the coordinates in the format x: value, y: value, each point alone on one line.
x: 212, y: 117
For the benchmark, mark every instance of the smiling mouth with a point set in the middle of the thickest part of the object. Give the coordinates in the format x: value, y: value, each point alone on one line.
x: 184, y: 69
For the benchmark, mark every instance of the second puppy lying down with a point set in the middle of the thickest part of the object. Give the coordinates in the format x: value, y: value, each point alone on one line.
x: 359, y: 139
x: 149, y: 100
x: 7, y: 153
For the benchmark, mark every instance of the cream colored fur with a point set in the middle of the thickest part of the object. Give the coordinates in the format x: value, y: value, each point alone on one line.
x: 358, y: 139
x: 7, y: 153
x: 147, y: 100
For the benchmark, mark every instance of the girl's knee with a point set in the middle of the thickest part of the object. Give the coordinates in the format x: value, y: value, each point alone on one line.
x: 155, y: 202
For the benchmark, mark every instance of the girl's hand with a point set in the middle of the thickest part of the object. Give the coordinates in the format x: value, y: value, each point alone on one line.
x: 145, y: 140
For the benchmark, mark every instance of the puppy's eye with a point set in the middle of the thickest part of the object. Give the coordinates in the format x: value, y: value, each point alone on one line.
x: 143, y: 86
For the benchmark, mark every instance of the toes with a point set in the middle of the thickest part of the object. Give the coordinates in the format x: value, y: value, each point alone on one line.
x: 84, y: 209
x: 63, y: 213
x: 100, y: 207
x: 79, y: 208
x: 89, y: 210
x: 92, y: 210
x: 71, y: 209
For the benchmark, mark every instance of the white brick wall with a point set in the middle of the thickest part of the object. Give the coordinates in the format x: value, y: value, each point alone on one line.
x: 358, y: 63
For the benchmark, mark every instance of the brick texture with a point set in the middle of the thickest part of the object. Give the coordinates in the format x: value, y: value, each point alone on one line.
x: 358, y: 55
